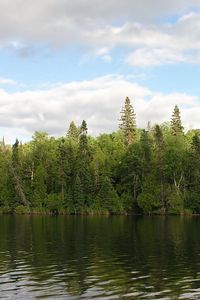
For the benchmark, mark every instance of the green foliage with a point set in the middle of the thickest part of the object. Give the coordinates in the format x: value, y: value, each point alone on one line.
x: 107, y: 196
x: 176, y: 202
x: 147, y: 202
x: 39, y: 187
x: 78, y: 196
x: 21, y: 209
x: 149, y: 199
x: 127, y: 202
x: 176, y: 124
x: 128, y: 122
x: 6, y: 187
x: 54, y: 203
x: 193, y: 201
x: 73, y: 132
x: 128, y: 171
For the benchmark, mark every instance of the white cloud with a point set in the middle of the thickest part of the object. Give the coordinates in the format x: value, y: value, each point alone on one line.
x: 145, y: 57
x: 98, y: 101
x: 25, y: 24
x: 103, y: 53
x: 153, y: 45
x: 7, y: 81
x: 43, y: 19
x: 107, y: 58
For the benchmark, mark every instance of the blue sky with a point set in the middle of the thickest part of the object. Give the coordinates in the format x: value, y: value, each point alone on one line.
x: 72, y: 60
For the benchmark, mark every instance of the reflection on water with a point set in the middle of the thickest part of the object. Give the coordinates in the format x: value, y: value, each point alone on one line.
x: 68, y: 257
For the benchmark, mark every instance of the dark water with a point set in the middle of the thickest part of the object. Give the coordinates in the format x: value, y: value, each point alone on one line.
x: 99, y: 257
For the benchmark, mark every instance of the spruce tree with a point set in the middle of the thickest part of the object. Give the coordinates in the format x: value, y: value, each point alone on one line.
x: 176, y: 124
x: 128, y: 122
x: 84, y: 128
x: 83, y: 148
x: 73, y: 132
x: 108, y: 196
x: 15, y: 154
x: 84, y: 165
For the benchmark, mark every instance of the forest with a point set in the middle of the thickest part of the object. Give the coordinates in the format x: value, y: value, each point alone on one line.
x: 131, y: 171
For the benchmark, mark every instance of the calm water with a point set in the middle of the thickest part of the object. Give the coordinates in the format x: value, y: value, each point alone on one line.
x: 99, y: 257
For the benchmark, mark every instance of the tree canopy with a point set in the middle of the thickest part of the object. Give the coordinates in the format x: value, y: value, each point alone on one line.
x: 131, y: 170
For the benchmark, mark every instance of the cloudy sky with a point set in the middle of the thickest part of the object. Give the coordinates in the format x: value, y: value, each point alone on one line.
x: 64, y: 60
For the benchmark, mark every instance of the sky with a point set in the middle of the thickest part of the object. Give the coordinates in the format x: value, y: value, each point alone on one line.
x: 64, y: 60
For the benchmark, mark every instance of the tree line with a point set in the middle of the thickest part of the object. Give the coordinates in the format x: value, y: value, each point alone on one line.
x: 132, y: 170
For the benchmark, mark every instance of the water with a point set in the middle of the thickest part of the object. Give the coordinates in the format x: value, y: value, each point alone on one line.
x: 68, y: 257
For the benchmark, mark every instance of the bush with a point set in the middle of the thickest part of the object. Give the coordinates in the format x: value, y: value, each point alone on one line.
x: 5, y: 210
x: 54, y: 203
x: 21, y: 209
x: 176, y: 202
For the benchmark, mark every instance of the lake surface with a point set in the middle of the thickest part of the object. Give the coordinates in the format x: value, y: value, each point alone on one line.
x: 117, y: 257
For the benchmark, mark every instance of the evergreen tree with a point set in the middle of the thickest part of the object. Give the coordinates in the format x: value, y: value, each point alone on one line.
x: 84, y: 128
x: 160, y: 172
x: 84, y: 165
x: 66, y: 160
x: 73, y: 132
x: 83, y: 149
x: 78, y: 195
x: 61, y: 167
x: 196, y: 144
x: 6, y: 189
x: 146, y: 151
x: 130, y: 173
x: 193, y: 176
x: 16, y: 172
x: 15, y: 154
x: 39, y: 194
x: 107, y: 196
x: 128, y: 122
x: 159, y: 161
x: 176, y: 124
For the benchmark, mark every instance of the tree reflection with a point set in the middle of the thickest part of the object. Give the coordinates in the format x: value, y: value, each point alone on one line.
x: 101, y: 256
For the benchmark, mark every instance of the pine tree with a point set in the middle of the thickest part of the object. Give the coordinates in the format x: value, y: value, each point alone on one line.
x: 128, y: 122
x: 73, y: 132
x: 176, y: 124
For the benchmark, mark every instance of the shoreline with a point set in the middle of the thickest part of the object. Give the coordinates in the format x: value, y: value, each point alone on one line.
x: 105, y: 214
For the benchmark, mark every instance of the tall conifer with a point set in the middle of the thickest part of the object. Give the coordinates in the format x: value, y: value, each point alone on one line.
x: 128, y: 122
x: 73, y: 132
x: 176, y: 124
